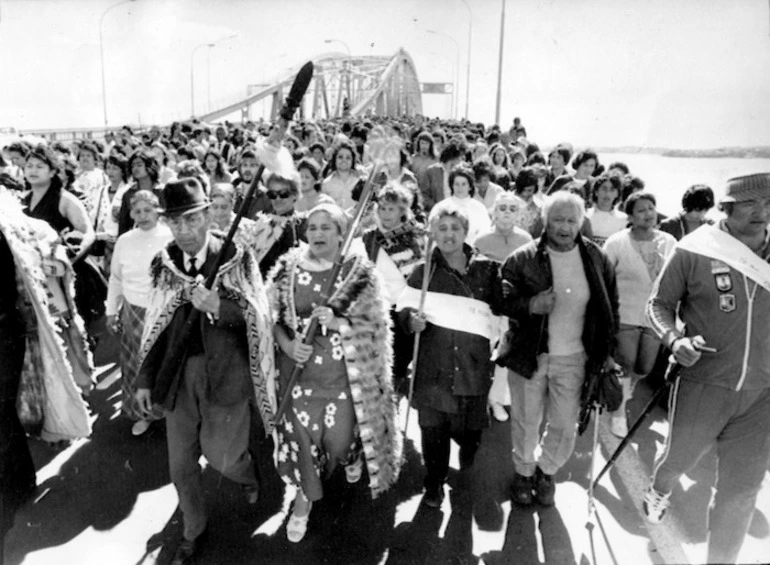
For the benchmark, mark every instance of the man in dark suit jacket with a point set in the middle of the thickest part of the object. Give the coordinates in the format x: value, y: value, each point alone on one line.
x: 206, y: 392
x: 433, y: 179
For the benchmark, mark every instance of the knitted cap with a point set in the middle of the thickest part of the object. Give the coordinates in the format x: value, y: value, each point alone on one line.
x: 748, y: 187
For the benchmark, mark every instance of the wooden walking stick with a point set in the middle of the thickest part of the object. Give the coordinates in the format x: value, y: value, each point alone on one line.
x: 426, y: 276
x: 171, y: 369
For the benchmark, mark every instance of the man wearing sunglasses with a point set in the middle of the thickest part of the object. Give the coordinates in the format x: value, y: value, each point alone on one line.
x: 207, y: 388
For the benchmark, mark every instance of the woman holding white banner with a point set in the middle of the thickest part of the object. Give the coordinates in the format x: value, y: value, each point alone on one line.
x: 454, y: 371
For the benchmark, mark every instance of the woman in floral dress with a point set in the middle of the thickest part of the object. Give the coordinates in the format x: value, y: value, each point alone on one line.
x: 344, y: 391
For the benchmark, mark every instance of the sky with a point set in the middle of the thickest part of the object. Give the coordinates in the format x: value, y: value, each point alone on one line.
x: 661, y: 73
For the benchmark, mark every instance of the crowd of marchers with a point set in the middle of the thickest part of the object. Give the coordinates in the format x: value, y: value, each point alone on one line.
x: 459, y: 266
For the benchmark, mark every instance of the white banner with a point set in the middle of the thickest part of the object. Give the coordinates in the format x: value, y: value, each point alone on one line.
x: 457, y: 313
x: 712, y: 242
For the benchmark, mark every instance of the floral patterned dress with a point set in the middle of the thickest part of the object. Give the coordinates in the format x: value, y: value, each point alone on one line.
x: 318, y: 434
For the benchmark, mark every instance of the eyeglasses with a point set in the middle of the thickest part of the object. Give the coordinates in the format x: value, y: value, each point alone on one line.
x: 272, y: 194
x: 192, y: 221
x: 506, y: 208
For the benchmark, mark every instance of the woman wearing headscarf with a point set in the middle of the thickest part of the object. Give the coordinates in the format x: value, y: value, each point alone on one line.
x: 342, y: 411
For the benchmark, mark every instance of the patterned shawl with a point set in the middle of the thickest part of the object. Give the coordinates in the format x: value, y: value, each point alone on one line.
x: 240, y: 280
x: 367, y: 343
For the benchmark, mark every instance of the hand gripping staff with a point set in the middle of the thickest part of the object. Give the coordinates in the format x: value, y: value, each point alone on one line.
x: 426, y: 276
x: 173, y: 362
x: 672, y: 373
x: 307, y: 337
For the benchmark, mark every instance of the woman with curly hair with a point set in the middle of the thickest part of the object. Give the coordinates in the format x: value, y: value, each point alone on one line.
x: 310, y: 186
x: 344, y: 176
x: 395, y: 244
x: 424, y: 153
x: 215, y: 167
x: 341, y: 412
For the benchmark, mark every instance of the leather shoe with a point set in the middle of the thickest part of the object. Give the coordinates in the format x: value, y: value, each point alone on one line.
x: 522, y: 490
x: 544, y: 488
x: 186, y: 550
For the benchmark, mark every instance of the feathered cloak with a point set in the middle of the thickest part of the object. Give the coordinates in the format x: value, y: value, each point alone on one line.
x: 241, y: 282
x: 50, y: 360
x: 367, y: 345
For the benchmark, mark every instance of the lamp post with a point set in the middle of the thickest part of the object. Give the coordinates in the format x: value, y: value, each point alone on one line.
x: 192, y: 76
x: 468, y: 62
x: 500, y: 65
x: 192, y: 71
x: 349, y: 65
x: 457, y: 64
x: 101, y: 56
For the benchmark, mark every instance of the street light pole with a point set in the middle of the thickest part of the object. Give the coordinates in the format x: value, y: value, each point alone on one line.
x: 101, y: 56
x: 350, y: 64
x: 468, y: 62
x: 457, y: 66
x: 208, y: 73
x: 192, y: 76
x: 500, y: 65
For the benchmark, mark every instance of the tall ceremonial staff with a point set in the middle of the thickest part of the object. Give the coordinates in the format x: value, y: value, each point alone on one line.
x: 174, y: 361
x: 426, y: 276
x: 307, y: 337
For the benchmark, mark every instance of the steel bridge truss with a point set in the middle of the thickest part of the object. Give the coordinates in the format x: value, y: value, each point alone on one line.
x: 343, y: 85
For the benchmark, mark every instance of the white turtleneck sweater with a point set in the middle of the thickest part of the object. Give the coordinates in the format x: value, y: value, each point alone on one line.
x: 130, y: 267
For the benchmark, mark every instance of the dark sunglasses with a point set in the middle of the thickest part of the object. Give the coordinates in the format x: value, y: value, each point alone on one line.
x: 272, y: 194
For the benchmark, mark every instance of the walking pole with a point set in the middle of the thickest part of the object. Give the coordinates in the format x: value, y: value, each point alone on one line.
x: 591, y: 485
x: 426, y: 276
x: 671, y: 374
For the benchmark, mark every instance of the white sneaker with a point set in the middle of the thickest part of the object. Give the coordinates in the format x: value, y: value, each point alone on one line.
x: 499, y: 412
x: 619, y: 426
x: 655, y: 505
x: 140, y: 427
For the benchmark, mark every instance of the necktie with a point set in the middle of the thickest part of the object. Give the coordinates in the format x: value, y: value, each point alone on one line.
x: 193, y: 270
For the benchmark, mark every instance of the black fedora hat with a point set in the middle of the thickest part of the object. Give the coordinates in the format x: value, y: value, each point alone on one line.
x: 184, y: 196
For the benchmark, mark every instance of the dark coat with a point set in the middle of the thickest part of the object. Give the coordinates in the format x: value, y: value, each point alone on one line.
x: 525, y: 273
x: 225, y: 345
x: 454, y: 363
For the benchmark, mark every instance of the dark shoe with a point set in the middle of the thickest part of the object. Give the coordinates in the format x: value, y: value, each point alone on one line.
x: 433, y: 496
x: 544, y: 488
x: 522, y: 490
x: 187, y: 550
x: 251, y: 493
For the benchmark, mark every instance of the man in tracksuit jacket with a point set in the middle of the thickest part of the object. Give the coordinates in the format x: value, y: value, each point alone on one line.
x: 719, y: 279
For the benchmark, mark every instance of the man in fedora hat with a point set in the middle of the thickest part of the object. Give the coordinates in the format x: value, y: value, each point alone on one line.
x: 206, y: 389
x: 718, y: 281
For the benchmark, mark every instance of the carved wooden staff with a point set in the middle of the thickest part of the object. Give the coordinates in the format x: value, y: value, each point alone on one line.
x: 326, y: 292
x: 426, y: 276
x: 174, y: 360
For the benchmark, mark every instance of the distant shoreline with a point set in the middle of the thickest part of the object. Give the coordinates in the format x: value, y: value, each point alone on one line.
x: 761, y: 152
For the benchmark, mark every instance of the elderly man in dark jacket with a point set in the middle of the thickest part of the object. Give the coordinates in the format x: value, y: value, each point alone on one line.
x: 562, y: 302
x: 206, y: 388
